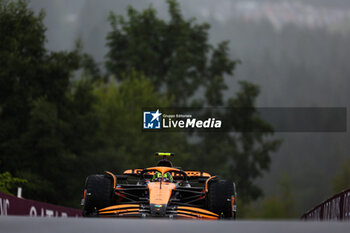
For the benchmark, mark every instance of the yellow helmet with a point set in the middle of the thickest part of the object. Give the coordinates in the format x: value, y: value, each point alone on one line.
x: 168, y: 177
x: 156, y: 176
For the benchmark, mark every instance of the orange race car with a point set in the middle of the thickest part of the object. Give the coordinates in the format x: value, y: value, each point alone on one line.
x: 161, y: 191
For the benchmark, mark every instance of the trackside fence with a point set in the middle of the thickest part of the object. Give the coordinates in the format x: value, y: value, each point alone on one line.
x: 334, y: 208
x: 11, y: 205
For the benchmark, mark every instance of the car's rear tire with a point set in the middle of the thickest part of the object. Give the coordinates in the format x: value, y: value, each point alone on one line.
x: 99, y: 194
x: 220, y: 193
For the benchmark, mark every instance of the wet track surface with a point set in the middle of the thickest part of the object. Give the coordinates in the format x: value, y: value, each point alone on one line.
x: 11, y: 224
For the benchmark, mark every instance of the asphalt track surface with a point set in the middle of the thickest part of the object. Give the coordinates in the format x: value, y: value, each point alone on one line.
x: 12, y: 224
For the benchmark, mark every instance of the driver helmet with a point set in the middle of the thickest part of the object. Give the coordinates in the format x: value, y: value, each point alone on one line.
x: 168, y: 177
x: 157, y: 176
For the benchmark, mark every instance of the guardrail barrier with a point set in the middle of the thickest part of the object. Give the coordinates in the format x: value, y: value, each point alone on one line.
x: 334, y: 208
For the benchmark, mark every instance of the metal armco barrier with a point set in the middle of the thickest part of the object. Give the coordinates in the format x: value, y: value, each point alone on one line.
x: 334, y: 208
x: 11, y: 205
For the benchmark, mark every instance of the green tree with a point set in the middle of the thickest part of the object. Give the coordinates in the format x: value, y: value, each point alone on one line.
x: 41, y: 127
x: 341, y: 180
x: 176, y: 55
x: 278, y: 206
x: 7, y: 182
x: 241, y: 156
x: 59, y: 137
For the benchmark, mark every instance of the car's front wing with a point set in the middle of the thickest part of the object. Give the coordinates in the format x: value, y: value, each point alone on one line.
x: 142, y: 210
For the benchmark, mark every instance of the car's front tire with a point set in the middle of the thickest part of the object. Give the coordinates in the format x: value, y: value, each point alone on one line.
x: 219, y: 200
x: 99, y: 194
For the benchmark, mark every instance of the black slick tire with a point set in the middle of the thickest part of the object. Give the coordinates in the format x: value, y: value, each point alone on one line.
x: 99, y: 194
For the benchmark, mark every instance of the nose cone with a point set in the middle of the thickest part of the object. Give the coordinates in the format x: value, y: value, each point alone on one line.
x: 160, y: 192
x: 159, y: 196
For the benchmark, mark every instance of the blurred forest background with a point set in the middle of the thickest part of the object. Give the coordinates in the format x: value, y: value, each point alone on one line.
x: 71, y: 95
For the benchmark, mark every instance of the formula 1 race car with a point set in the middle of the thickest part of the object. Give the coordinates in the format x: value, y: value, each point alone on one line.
x: 161, y: 191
